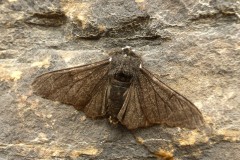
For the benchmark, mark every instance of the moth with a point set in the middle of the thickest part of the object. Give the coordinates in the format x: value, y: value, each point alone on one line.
x: 119, y: 89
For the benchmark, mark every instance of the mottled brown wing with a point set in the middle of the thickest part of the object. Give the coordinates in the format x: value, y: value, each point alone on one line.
x: 163, y: 105
x: 131, y: 114
x: 83, y: 87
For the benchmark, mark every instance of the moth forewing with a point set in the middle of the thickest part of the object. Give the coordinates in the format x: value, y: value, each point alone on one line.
x: 173, y: 109
x: 74, y: 86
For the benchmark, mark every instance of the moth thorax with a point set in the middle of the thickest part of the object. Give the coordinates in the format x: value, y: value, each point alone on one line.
x: 123, y: 77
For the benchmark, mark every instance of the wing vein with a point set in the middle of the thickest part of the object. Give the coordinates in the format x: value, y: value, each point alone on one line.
x: 57, y: 90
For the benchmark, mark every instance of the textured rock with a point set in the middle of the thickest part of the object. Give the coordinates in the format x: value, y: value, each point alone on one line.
x: 192, y: 45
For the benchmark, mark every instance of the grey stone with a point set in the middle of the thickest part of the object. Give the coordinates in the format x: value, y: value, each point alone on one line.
x: 193, y: 46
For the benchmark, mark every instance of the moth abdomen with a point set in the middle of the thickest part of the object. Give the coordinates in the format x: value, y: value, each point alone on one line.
x: 116, y: 96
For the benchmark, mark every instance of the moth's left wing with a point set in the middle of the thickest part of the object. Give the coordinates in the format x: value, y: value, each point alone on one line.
x: 84, y: 87
x: 163, y: 105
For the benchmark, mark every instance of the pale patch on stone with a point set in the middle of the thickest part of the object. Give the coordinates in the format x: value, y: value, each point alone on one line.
x: 208, y: 120
x: 67, y: 56
x: 9, y: 73
x: 21, y: 106
x: 53, y: 122
x: 78, y: 55
x: 40, y: 138
x: 16, y: 75
x: 198, y: 104
x: 192, y: 138
x: 102, y: 28
x: 44, y: 63
x: 84, y: 151
x: 43, y: 114
x: 83, y: 20
x: 12, y: 0
x: 140, y: 140
x: 204, y: 2
x: 220, y: 44
x: 139, y: 1
x: 229, y: 95
x: 34, y: 104
x: 49, y: 116
x: 23, y: 98
x: 165, y: 154
x: 156, y: 139
x: 77, y: 10
x: 47, y: 152
x: 4, y: 74
x: 83, y: 118
x: 229, y: 135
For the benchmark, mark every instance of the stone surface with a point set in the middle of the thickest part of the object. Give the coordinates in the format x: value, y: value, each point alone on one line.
x: 194, y: 46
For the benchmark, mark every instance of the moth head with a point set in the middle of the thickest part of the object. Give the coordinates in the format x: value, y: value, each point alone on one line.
x: 125, y: 52
x: 124, y: 64
x: 128, y: 51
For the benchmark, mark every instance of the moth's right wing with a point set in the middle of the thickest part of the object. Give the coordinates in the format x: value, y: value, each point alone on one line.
x: 163, y: 105
x: 84, y: 87
x: 149, y: 101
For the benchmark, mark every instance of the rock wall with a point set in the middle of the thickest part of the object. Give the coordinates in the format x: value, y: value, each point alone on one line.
x: 193, y: 46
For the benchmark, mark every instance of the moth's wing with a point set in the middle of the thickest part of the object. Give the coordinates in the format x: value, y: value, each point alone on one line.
x: 163, y: 105
x: 97, y: 106
x: 131, y: 114
x: 83, y: 87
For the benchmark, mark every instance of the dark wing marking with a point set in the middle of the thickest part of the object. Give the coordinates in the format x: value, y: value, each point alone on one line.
x: 162, y: 105
x: 131, y: 114
x: 78, y: 86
